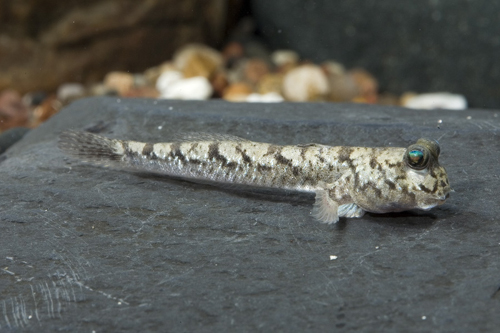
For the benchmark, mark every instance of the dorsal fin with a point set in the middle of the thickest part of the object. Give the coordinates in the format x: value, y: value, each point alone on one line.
x: 204, y: 136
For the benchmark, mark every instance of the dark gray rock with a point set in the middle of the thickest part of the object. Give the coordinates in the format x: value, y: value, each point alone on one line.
x: 11, y: 136
x: 86, y: 248
x: 409, y: 45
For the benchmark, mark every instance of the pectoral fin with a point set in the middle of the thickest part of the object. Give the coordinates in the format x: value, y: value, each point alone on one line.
x: 325, y: 209
x: 333, y: 201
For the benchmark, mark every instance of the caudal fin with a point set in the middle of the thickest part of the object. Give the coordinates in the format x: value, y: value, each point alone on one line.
x: 90, y: 147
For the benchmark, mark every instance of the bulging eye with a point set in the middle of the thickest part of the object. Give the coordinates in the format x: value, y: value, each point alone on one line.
x: 417, y: 157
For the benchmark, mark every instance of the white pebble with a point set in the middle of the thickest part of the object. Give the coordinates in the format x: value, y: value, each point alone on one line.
x: 166, y: 79
x: 271, y: 97
x: 197, y: 88
x: 437, y: 101
x: 284, y: 57
x: 68, y: 91
x: 305, y: 83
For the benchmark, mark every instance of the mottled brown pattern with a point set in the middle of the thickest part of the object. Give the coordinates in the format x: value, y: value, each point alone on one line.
x: 247, y: 159
x: 148, y: 149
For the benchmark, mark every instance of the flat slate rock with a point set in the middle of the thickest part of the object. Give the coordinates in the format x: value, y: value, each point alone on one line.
x: 91, y: 249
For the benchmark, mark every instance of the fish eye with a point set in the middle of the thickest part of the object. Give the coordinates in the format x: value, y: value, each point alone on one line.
x: 432, y: 145
x: 417, y: 157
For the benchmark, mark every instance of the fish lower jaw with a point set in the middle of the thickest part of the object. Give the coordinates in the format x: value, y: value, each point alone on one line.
x: 430, y: 206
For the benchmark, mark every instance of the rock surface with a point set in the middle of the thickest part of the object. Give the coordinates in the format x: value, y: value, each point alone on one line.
x: 86, y: 248
x: 47, y: 42
x: 408, y: 45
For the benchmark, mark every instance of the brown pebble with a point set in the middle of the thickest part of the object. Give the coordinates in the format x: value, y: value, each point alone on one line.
x: 367, y: 85
x: 198, y: 60
x: 237, y: 92
x: 342, y: 88
x: 270, y: 83
x: 49, y: 107
x: 121, y: 82
x: 219, y: 84
x: 147, y: 92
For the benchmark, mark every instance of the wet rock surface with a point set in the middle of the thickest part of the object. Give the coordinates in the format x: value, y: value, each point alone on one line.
x: 87, y: 248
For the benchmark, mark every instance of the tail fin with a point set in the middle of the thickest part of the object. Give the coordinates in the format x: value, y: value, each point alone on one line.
x: 91, y: 147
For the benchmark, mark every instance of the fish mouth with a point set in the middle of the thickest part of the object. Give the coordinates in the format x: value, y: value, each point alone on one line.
x: 433, y: 202
x: 442, y: 199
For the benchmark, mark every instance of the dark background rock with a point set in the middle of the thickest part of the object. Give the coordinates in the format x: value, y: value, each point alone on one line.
x: 86, y: 248
x: 428, y: 46
x: 45, y: 43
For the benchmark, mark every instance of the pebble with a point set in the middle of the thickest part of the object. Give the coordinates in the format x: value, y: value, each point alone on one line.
x: 121, y: 82
x: 193, y: 88
x: 50, y: 106
x: 366, y: 84
x: 333, y: 68
x: 237, y: 92
x: 305, y: 83
x: 254, y: 70
x: 343, y: 88
x: 198, y: 60
x: 140, y: 80
x: 152, y: 74
x: 99, y: 89
x: 271, y: 97
x: 431, y: 101
x: 219, y: 83
x: 282, y: 58
x: 270, y: 83
x: 145, y: 91
x: 68, y: 92
x: 166, y: 79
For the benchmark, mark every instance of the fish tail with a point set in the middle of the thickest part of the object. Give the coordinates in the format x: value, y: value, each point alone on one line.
x: 91, y: 147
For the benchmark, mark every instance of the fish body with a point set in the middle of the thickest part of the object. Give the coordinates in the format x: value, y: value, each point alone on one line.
x: 347, y: 181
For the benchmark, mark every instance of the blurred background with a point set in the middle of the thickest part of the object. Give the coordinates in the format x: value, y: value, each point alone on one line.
x: 420, y: 54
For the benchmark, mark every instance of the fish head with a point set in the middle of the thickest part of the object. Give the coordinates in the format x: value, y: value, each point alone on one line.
x: 425, y: 180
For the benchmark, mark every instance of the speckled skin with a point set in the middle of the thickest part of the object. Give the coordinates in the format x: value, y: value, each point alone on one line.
x: 347, y: 180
